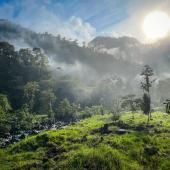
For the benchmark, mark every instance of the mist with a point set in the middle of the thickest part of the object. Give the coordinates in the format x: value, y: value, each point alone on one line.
x: 104, y: 59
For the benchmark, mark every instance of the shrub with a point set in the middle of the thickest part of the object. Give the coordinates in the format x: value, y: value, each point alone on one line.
x: 115, y: 117
x: 89, y: 111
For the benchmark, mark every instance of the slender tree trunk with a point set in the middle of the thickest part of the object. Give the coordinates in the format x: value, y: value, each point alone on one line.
x: 148, y: 117
x: 147, y: 83
x: 51, y: 113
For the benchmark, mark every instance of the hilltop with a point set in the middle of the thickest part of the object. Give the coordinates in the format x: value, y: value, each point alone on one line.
x: 126, y: 144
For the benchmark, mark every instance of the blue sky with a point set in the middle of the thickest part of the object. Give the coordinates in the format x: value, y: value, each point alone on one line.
x: 81, y: 19
x: 100, y: 13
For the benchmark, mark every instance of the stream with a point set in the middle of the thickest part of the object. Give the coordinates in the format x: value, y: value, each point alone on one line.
x: 7, y: 139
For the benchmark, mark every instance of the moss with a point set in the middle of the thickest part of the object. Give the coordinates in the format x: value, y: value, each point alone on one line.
x: 102, y: 157
x: 76, y: 147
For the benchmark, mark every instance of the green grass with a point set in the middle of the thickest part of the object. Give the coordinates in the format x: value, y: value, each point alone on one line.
x: 82, y: 146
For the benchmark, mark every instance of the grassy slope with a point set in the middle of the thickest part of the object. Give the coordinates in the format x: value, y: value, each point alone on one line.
x: 82, y: 146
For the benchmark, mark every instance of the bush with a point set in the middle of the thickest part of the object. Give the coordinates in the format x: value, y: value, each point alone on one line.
x: 115, y: 117
x: 89, y: 111
x: 42, y: 140
x: 66, y: 111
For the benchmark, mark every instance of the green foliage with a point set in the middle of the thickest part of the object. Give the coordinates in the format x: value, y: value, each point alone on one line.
x: 47, y: 99
x: 115, y: 117
x: 90, y: 111
x: 5, y: 107
x: 34, y: 61
x: 21, y: 71
x: 147, y: 72
x: 102, y: 157
x: 131, y: 103
x: 4, y: 103
x: 30, y: 90
x: 66, y: 110
x: 22, y: 119
x: 25, y: 74
x: 37, y: 119
x: 5, y: 123
x: 82, y: 146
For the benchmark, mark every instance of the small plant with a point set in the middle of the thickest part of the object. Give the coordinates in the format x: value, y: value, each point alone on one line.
x: 115, y: 117
x: 116, y: 109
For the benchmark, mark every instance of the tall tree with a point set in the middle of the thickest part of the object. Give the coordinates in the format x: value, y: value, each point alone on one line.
x: 66, y: 110
x: 147, y: 72
x: 146, y: 84
x: 30, y: 90
x: 10, y: 73
x: 4, y: 103
x: 5, y: 107
x: 47, y: 100
x: 34, y: 64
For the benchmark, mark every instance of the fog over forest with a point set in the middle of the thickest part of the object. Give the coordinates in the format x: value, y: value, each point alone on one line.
x: 104, y: 61
x: 84, y: 85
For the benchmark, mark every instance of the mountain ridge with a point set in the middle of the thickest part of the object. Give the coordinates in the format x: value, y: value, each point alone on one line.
x: 105, y: 55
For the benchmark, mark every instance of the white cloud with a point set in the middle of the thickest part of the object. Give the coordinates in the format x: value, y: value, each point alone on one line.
x: 38, y: 17
x: 76, y: 28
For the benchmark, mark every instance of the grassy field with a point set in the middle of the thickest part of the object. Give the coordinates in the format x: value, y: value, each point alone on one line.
x: 127, y: 144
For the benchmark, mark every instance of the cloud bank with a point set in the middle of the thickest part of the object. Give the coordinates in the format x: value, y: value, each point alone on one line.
x: 37, y: 16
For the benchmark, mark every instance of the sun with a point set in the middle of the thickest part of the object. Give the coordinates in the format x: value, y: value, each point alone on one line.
x: 156, y: 25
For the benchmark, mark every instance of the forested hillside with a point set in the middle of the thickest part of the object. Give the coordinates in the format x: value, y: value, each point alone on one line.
x: 102, y: 59
x: 97, y: 105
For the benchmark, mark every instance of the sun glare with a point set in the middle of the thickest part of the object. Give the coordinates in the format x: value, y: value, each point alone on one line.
x: 156, y: 25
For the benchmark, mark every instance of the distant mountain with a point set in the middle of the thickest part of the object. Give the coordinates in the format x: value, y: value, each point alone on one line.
x: 130, y: 49
x: 67, y: 52
x: 103, y: 55
x: 112, y: 42
x: 125, y: 48
x: 15, y: 33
